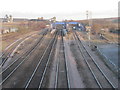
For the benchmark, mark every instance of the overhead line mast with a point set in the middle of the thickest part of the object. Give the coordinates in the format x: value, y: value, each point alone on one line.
x: 89, y: 19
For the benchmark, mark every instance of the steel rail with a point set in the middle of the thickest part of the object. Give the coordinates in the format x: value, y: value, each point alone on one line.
x: 43, y: 75
x: 21, y: 56
x: 29, y: 81
x: 97, y: 65
x: 57, y: 70
x: 57, y: 67
x: 75, y: 37
x: 6, y: 53
x: 95, y: 62
x: 66, y: 64
x: 14, y: 48
x: 14, y: 43
x: 29, y: 53
x: 56, y: 75
x: 10, y: 46
x: 40, y: 40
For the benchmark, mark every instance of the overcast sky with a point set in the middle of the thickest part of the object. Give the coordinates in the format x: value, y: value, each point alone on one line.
x: 62, y: 9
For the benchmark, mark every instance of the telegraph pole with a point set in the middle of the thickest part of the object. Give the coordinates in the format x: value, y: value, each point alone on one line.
x: 89, y: 16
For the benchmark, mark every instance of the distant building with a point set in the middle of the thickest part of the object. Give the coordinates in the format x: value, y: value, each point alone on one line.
x: 40, y: 18
x: 5, y: 30
x: 13, y: 29
x: 8, y: 18
x: 8, y: 30
x: 53, y: 19
x: 105, y: 29
x: 20, y: 19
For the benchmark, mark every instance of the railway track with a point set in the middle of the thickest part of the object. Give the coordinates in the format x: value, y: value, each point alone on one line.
x: 99, y: 76
x: 10, y: 50
x: 62, y: 78
x: 11, y: 68
x: 39, y: 74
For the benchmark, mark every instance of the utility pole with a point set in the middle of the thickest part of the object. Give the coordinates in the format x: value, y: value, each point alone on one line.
x: 89, y: 19
x: 87, y: 15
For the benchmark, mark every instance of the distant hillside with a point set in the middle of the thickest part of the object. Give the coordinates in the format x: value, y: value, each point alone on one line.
x: 99, y: 20
x: 16, y: 19
x: 19, y: 19
x: 113, y: 20
x: 104, y: 20
x: 116, y: 20
x: 108, y: 24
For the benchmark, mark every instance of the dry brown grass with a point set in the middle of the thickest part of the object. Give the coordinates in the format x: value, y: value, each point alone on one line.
x: 112, y: 37
x: 11, y: 37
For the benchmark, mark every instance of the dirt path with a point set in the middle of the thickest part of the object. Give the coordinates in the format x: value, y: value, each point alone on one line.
x: 75, y: 79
